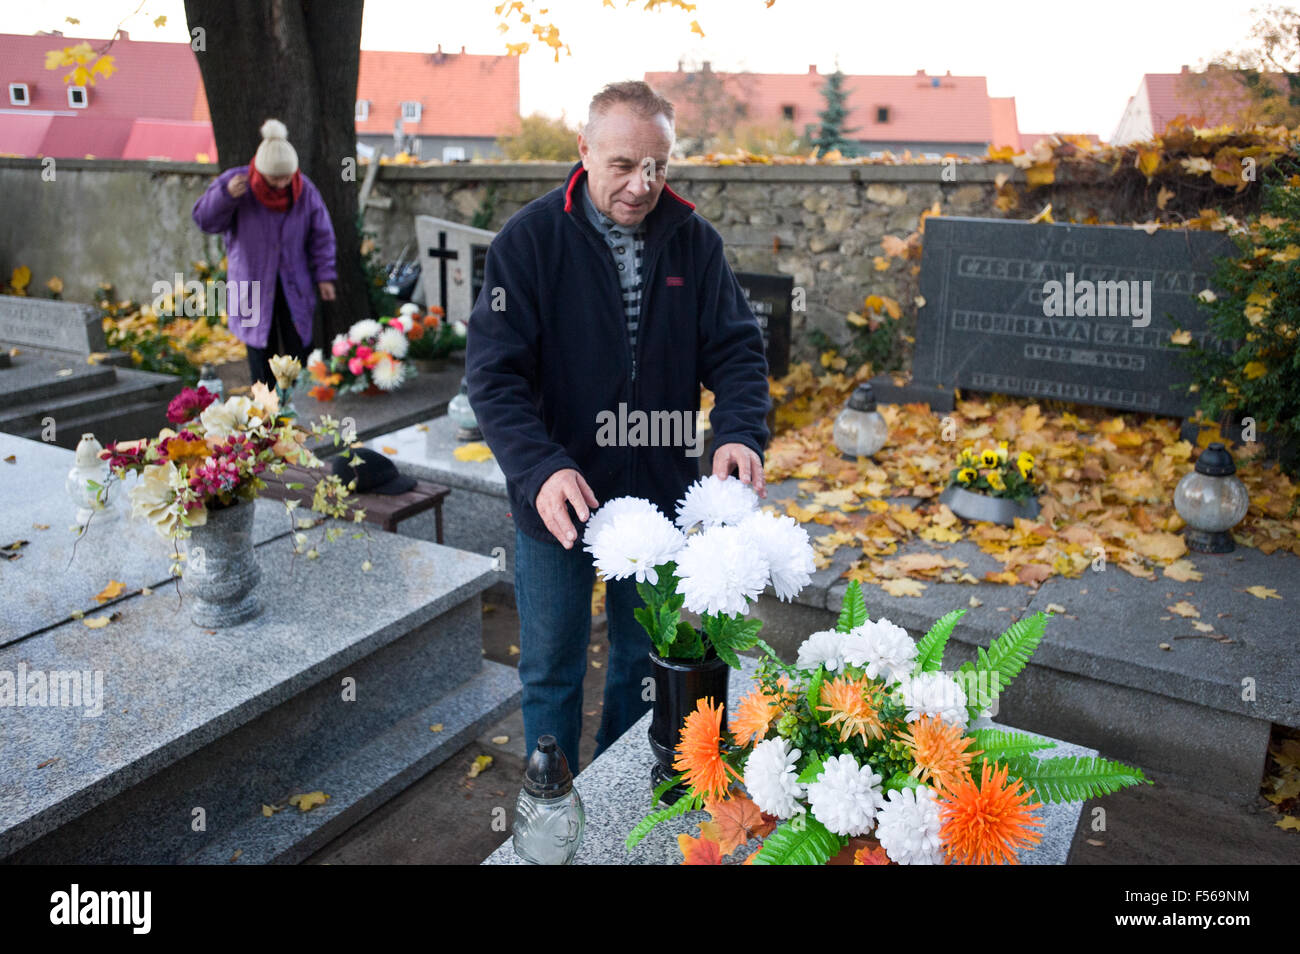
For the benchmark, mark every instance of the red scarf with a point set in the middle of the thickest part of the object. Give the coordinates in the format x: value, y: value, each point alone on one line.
x: 277, y: 200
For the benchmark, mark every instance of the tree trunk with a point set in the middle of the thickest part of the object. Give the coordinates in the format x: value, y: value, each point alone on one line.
x: 297, y: 61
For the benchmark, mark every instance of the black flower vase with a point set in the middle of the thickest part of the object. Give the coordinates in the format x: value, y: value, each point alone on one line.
x: 679, y: 685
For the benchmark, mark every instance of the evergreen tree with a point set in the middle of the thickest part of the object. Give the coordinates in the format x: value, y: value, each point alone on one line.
x: 833, y: 132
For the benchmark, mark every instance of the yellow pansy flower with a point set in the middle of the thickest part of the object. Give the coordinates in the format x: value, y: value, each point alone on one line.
x: 1026, y: 467
x: 989, y: 458
x: 995, y: 481
x: 966, y: 475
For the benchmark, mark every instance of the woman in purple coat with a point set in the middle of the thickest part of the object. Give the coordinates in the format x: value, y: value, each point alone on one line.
x: 279, y: 250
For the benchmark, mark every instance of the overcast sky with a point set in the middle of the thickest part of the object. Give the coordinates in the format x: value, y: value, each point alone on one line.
x: 1070, y: 65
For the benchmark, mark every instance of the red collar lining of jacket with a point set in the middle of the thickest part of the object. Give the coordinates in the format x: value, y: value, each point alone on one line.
x: 573, y: 181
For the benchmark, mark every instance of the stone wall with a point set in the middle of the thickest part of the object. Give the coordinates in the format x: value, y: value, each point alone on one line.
x: 129, y: 222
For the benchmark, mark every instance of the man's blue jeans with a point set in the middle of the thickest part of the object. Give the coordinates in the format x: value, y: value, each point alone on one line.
x: 553, y: 594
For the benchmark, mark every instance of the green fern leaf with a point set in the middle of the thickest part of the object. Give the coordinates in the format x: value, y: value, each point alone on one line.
x: 929, y: 651
x: 1073, y: 778
x: 680, y: 807
x: 1005, y: 658
x: 802, y: 840
x: 853, y: 611
x: 998, y: 745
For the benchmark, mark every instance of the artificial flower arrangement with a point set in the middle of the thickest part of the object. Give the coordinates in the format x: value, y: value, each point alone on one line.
x: 865, y: 748
x: 430, y: 336
x: 993, y: 471
x: 721, y: 554
x: 216, y: 456
x: 370, y: 355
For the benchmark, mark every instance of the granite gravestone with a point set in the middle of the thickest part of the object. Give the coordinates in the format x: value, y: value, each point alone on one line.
x: 769, y: 298
x: 1080, y: 313
x: 52, y: 325
x: 452, y: 258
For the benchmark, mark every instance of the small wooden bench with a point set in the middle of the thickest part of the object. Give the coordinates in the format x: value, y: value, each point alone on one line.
x: 386, y: 510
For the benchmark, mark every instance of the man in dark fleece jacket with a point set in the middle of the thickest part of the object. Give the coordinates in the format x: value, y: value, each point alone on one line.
x: 606, y: 297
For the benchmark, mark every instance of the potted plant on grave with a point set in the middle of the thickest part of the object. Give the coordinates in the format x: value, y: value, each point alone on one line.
x: 199, y: 478
x: 990, y: 484
x: 432, y: 339
x: 369, y: 359
x: 866, y: 751
x: 719, y: 556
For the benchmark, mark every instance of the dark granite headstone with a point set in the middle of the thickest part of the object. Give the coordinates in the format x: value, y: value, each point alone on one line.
x: 1080, y: 313
x: 769, y: 299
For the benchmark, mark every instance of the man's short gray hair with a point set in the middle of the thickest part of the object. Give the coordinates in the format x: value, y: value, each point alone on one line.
x: 636, y: 95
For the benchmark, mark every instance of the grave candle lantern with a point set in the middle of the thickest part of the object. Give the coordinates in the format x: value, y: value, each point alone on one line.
x: 87, y: 475
x: 859, y: 430
x: 549, y: 817
x: 462, y: 415
x: 1212, y: 499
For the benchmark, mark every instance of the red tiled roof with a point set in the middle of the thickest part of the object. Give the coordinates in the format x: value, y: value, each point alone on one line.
x: 75, y: 137
x: 1006, y: 129
x: 1170, y: 95
x: 154, y: 80
x: 168, y: 139
x: 461, y: 94
x: 23, y: 135
x: 922, y: 108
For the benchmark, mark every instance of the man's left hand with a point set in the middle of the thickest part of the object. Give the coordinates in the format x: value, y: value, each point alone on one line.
x: 326, y: 291
x: 747, y: 465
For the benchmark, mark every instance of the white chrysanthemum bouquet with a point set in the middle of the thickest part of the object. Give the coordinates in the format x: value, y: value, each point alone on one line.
x: 864, y: 749
x: 721, y: 554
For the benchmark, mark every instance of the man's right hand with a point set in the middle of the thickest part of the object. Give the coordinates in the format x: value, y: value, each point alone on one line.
x: 237, y: 185
x: 564, y: 486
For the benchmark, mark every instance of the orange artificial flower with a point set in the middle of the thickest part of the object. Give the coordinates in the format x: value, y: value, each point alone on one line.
x: 371, y: 359
x: 699, y: 753
x: 318, y: 371
x: 322, y: 393
x: 871, y: 854
x: 183, y: 451
x: 755, y: 714
x: 854, y: 704
x: 431, y: 320
x: 416, y: 332
x: 988, y: 823
x: 939, y: 750
x: 699, y: 851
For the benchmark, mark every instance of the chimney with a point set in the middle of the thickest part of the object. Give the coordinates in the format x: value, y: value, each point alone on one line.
x: 679, y: 64
x: 123, y: 35
x: 706, y: 66
x: 1185, y: 69
x: 812, y: 69
x: 462, y: 51
x: 920, y: 72
x: 439, y: 47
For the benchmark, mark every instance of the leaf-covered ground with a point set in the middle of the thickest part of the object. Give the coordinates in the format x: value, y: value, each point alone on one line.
x: 1109, y: 483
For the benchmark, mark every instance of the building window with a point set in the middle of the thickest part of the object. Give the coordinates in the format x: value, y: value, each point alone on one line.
x: 363, y: 110
x: 77, y: 97
x: 411, y: 112
x: 787, y: 113
x: 19, y: 95
x: 882, y: 114
x: 453, y: 153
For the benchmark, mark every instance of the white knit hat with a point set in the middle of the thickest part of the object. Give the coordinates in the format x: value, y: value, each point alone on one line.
x: 275, y: 157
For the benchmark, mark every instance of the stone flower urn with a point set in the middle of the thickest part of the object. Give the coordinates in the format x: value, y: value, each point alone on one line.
x: 970, y: 505
x: 221, y: 570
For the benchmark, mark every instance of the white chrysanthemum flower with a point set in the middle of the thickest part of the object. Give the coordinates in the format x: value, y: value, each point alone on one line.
x: 882, y: 649
x: 387, y: 373
x: 234, y: 415
x: 824, y: 648
x: 772, y: 779
x: 713, y: 502
x: 461, y: 328
x: 363, y: 329
x: 934, y: 694
x: 718, y: 572
x: 392, y: 341
x: 633, y: 542
x: 907, y: 827
x: 315, y: 356
x: 410, y: 308
x: 845, y: 797
x: 609, y: 510
x: 785, y: 546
